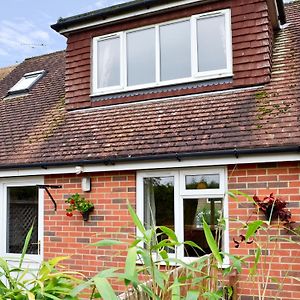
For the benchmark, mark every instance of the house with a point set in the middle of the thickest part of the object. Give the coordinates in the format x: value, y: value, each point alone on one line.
x: 165, y: 105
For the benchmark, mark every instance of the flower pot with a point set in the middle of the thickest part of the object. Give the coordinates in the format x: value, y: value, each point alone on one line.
x: 86, y: 214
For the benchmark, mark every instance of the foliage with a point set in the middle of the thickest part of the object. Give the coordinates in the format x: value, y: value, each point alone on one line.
x: 46, y: 283
x: 265, y: 237
x: 154, y: 271
x: 79, y: 203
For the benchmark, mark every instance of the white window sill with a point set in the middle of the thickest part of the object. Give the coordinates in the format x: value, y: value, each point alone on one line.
x: 162, y: 84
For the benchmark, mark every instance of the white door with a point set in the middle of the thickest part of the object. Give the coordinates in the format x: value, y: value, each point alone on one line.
x: 21, y: 206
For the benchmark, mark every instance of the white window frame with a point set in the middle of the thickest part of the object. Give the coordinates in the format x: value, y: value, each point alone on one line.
x: 21, y: 182
x: 181, y: 194
x: 195, y: 75
x: 16, y: 90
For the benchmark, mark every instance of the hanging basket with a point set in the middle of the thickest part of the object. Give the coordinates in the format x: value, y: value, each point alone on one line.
x: 86, y: 214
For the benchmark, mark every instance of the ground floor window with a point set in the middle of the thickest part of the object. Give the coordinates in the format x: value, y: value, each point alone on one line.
x: 21, y: 207
x: 181, y: 199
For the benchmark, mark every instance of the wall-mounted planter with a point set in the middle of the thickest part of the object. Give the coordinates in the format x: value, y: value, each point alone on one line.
x: 86, y: 214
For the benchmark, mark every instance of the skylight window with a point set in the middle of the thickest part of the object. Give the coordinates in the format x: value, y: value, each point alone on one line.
x: 26, y: 82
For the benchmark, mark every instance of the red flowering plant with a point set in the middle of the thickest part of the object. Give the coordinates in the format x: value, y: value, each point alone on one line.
x: 274, y: 208
x: 79, y: 203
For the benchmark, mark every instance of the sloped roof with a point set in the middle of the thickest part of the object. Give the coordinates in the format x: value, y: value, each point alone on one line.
x: 5, y: 71
x: 36, y: 129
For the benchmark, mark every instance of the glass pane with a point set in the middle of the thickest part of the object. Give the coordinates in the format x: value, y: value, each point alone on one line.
x: 202, y: 182
x: 195, y: 210
x: 22, y: 206
x: 141, y: 57
x: 109, y: 62
x: 25, y: 82
x: 211, y: 39
x: 159, y: 203
x: 175, y: 50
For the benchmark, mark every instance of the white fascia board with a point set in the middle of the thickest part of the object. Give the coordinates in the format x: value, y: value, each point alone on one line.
x: 128, y: 15
x: 155, y: 165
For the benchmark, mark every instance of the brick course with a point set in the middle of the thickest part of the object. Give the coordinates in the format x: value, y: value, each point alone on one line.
x: 65, y: 236
x: 110, y: 220
x: 282, y: 179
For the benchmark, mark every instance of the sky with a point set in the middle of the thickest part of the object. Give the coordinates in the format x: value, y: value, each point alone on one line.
x: 25, y: 26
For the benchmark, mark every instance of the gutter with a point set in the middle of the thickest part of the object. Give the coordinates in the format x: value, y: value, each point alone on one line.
x: 113, y: 14
x: 173, y: 156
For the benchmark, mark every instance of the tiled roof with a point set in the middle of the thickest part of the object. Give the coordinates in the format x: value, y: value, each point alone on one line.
x: 5, y: 71
x: 37, y: 129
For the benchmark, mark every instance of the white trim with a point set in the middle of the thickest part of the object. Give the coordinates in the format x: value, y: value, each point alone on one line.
x: 33, y: 260
x: 195, y: 74
x: 155, y: 165
x: 126, y: 16
x: 205, y: 192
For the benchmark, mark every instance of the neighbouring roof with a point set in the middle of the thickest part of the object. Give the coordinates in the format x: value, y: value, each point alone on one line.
x: 130, y: 7
x: 36, y: 129
x: 5, y: 71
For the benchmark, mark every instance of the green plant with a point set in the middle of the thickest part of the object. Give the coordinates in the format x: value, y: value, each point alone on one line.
x: 154, y: 271
x: 265, y: 237
x: 79, y: 203
x: 46, y: 283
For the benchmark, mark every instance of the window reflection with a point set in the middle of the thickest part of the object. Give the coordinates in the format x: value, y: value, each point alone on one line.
x: 195, y: 211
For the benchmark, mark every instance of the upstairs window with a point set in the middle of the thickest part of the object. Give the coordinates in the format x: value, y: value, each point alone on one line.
x: 26, y: 82
x: 191, y: 49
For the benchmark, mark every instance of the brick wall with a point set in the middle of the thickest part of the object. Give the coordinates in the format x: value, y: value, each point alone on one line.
x: 251, y: 51
x: 110, y: 220
x: 281, y: 257
x: 65, y: 236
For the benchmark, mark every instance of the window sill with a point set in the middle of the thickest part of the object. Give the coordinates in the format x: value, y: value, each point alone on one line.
x: 163, y: 84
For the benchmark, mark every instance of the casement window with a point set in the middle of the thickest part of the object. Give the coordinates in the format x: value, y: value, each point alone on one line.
x: 26, y: 82
x: 180, y: 200
x: 21, y: 207
x: 181, y: 51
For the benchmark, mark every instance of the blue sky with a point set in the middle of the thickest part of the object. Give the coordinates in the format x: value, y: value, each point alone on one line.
x: 25, y: 26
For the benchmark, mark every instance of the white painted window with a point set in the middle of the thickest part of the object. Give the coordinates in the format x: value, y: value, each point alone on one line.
x: 181, y: 51
x: 180, y: 199
x: 21, y: 206
x: 26, y: 82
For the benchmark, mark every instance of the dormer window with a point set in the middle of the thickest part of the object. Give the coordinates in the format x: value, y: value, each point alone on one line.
x: 26, y: 82
x: 181, y: 51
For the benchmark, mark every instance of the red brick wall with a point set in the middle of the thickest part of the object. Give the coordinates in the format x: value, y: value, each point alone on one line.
x: 251, y: 51
x: 110, y: 220
x: 65, y: 236
x: 283, y: 258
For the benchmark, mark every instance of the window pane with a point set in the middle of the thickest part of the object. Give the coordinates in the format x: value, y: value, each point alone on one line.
x: 159, y: 201
x: 195, y: 210
x: 202, y: 182
x: 175, y: 50
x: 109, y: 62
x: 22, y: 205
x: 141, y: 57
x: 211, y: 39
